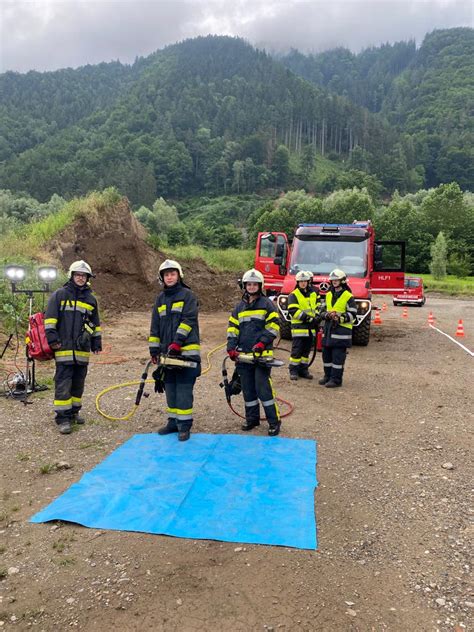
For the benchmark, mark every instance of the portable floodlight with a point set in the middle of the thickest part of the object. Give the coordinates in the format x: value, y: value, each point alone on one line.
x: 14, y: 273
x: 47, y: 274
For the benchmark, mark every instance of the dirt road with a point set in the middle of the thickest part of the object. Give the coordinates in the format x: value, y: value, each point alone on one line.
x: 392, y: 503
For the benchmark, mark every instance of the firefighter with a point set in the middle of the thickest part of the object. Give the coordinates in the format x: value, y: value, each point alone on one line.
x: 338, y: 311
x: 73, y: 331
x: 253, y: 326
x: 303, y: 306
x: 175, y: 331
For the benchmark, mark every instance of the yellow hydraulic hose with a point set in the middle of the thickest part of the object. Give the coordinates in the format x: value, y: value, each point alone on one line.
x: 115, y: 387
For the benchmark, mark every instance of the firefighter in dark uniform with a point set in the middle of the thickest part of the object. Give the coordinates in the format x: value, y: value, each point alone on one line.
x: 73, y: 331
x: 303, y: 307
x: 175, y: 331
x: 338, y: 311
x: 253, y: 326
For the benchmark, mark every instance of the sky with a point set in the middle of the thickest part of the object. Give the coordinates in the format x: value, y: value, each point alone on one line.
x: 51, y: 34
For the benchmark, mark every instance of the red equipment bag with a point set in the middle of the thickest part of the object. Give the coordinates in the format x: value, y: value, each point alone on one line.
x: 37, y: 346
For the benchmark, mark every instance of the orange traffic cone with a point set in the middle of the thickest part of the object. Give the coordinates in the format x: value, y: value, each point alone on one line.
x: 384, y: 307
x: 431, y: 319
x: 460, y: 329
x: 405, y: 312
x: 377, y: 319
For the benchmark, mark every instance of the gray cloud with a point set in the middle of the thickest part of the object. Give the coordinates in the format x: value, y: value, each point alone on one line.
x: 50, y: 34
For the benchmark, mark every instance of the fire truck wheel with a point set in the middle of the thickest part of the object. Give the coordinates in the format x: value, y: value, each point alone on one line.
x: 361, y: 334
x: 285, y: 329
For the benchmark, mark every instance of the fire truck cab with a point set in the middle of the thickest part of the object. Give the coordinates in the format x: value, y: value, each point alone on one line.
x: 371, y: 266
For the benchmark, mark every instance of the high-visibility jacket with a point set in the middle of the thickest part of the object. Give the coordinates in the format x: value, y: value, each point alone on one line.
x: 72, y: 318
x: 252, y: 322
x: 338, y: 334
x: 175, y: 319
x: 303, y: 308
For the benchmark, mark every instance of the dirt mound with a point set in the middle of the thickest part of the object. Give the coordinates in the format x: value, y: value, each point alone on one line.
x: 114, y: 243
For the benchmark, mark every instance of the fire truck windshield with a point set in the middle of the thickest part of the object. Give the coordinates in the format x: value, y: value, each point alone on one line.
x: 321, y: 255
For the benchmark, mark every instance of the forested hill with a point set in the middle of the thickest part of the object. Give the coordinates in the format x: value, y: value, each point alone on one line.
x: 209, y: 115
x: 426, y: 93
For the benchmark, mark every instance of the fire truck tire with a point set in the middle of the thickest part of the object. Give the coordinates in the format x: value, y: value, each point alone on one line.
x: 285, y: 329
x: 361, y: 334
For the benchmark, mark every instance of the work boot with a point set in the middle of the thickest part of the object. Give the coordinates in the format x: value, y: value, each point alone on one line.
x: 323, y: 381
x: 184, y: 435
x: 274, y: 429
x: 332, y: 384
x: 65, y: 427
x: 166, y: 430
x: 293, y: 376
x: 250, y: 425
x: 306, y: 375
x: 77, y: 419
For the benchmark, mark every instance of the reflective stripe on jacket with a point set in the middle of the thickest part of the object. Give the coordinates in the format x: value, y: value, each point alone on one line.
x: 72, y: 318
x: 302, y: 308
x: 252, y: 322
x: 339, y: 334
x: 175, y: 319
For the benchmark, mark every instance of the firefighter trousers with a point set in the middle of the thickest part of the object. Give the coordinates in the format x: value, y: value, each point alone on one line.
x: 299, y: 357
x: 257, y: 385
x: 69, y: 381
x: 333, y: 362
x: 179, y: 385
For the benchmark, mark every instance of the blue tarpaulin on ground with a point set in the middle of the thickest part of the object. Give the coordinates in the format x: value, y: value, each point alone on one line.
x: 219, y: 487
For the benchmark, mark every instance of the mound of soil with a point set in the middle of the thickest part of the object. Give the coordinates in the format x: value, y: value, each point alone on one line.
x: 126, y: 267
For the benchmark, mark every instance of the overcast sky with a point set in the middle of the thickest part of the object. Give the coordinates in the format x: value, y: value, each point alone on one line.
x: 51, y: 34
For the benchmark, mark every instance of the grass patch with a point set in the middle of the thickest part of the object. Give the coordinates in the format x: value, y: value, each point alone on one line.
x: 67, y: 561
x: 59, y: 546
x: 3, y: 573
x: 221, y: 260
x: 449, y: 285
x: 91, y: 444
x: 23, y: 456
x: 47, y: 468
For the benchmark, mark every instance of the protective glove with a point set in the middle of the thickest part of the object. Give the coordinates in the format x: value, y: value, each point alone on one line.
x: 174, y: 349
x: 154, y: 359
x: 233, y: 354
x: 258, y: 348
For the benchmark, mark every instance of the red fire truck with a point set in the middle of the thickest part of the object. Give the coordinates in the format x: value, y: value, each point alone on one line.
x: 371, y: 266
x: 412, y: 294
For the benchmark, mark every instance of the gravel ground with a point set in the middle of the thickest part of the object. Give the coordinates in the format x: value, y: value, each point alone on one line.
x: 392, y: 504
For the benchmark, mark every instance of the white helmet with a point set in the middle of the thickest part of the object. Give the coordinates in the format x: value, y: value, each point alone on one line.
x: 337, y: 274
x: 253, y: 276
x: 79, y: 266
x: 169, y: 264
x: 304, y: 275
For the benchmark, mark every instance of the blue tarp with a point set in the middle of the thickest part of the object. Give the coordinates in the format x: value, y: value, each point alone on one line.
x: 220, y: 487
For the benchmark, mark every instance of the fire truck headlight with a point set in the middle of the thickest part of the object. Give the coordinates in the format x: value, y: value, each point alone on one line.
x: 363, y: 306
x: 284, y: 301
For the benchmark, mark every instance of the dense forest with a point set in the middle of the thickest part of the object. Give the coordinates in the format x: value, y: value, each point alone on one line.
x: 426, y: 95
x: 214, y: 116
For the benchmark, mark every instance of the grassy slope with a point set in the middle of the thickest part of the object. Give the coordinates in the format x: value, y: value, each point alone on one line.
x: 449, y: 285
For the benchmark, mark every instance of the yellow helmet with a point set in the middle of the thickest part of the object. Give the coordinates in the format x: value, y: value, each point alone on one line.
x: 253, y: 276
x: 169, y: 264
x: 79, y: 266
